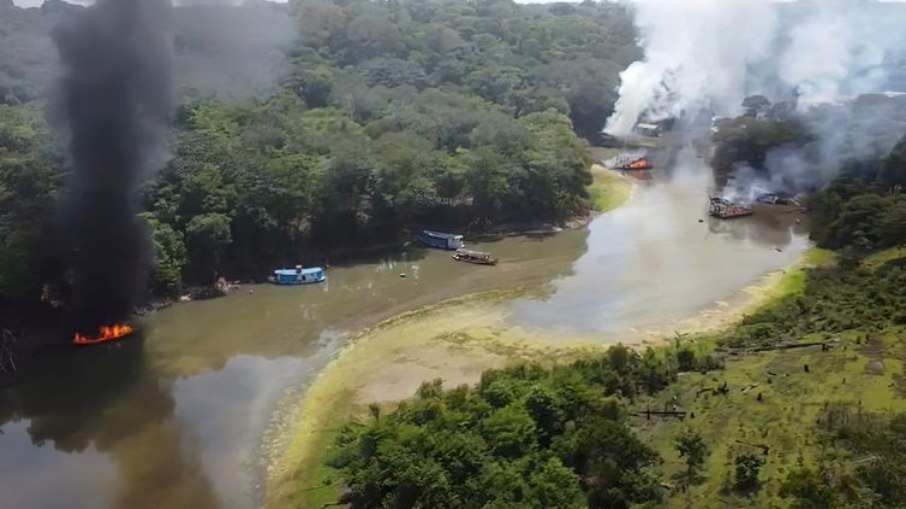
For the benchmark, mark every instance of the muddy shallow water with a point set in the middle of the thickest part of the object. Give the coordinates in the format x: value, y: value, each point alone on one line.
x: 173, y: 418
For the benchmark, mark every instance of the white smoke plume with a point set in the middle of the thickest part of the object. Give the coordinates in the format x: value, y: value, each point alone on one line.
x: 696, y: 54
x: 711, y: 54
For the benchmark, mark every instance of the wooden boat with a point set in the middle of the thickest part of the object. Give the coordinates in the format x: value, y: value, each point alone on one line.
x: 477, y: 257
x: 725, y: 209
x: 438, y: 240
x: 298, y: 276
x: 626, y: 163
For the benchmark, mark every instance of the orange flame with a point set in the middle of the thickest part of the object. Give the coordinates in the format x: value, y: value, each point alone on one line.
x: 640, y: 164
x: 105, y: 333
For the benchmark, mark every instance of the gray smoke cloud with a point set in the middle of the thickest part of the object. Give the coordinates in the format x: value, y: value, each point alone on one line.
x: 832, y: 67
x: 711, y: 54
x: 696, y: 57
x: 230, y: 51
x: 222, y: 48
x: 114, y: 96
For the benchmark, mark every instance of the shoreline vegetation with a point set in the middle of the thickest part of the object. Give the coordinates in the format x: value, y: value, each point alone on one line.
x: 455, y: 340
x: 364, y: 120
x: 387, y: 363
x: 607, y: 192
x: 459, y: 356
x: 789, y: 395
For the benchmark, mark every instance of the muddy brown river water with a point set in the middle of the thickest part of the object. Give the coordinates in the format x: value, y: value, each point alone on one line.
x: 173, y: 418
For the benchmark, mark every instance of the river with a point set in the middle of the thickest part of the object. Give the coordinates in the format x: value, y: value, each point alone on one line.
x: 174, y: 416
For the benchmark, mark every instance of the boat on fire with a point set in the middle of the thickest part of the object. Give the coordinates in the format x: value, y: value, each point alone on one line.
x: 725, y: 209
x: 476, y: 257
x: 104, y: 334
x: 298, y: 276
x: 438, y: 240
x: 632, y: 163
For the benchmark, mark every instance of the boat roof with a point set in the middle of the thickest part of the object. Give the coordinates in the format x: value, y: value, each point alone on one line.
x: 442, y: 235
x: 293, y: 272
x: 472, y: 253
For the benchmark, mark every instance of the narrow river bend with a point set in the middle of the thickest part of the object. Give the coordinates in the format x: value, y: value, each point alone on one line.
x: 174, y: 418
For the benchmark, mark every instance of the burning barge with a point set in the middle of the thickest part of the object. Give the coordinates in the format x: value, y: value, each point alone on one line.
x: 632, y: 164
x: 725, y: 209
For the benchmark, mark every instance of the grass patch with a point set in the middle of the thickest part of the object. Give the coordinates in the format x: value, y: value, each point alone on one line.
x: 608, y: 190
x: 789, y: 282
x: 305, y: 479
x: 879, y: 259
x: 792, y: 282
x: 818, y: 257
x: 786, y: 419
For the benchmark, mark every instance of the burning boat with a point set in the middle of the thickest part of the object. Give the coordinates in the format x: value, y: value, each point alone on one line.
x: 298, y: 276
x: 725, y: 209
x: 626, y: 163
x: 105, y: 333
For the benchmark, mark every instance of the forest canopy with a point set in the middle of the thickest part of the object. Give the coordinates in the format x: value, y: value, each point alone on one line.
x: 343, y: 124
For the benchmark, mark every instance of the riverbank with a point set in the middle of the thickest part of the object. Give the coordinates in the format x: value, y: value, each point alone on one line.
x: 725, y: 313
x: 455, y: 340
x: 609, y: 189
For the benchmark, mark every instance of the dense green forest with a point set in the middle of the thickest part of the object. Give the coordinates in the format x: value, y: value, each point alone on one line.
x: 523, y: 437
x: 379, y: 116
x: 761, y: 427
x: 563, y: 437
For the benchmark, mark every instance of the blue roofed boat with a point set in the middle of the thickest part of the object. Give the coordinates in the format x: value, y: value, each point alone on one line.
x: 298, y: 276
x: 437, y: 240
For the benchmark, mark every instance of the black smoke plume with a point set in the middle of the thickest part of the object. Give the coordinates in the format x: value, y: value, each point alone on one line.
x: 114, y: 99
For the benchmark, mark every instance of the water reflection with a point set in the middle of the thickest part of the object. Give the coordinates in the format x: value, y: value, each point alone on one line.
x: 107, y: 406
x: 173, y: 419
x: 661, y: 259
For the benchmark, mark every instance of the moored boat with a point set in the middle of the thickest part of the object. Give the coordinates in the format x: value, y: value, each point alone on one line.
x: 477, y: 257
x: 298, y: 276
x: 438, y: 240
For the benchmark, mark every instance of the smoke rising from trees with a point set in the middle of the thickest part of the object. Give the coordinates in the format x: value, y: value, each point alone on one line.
x: 114, y: 95
x: 813, y: 79
x: 711, y: 54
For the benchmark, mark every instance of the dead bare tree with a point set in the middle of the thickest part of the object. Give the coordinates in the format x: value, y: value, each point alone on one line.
x: 7, y: 352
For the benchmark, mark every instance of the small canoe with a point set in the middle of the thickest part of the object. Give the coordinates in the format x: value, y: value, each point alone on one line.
x: 476, y: 257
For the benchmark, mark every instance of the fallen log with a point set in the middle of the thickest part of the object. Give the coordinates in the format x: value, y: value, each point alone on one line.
x: 764, y: 447
x: 679, y: 414
x: 779, y: 347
